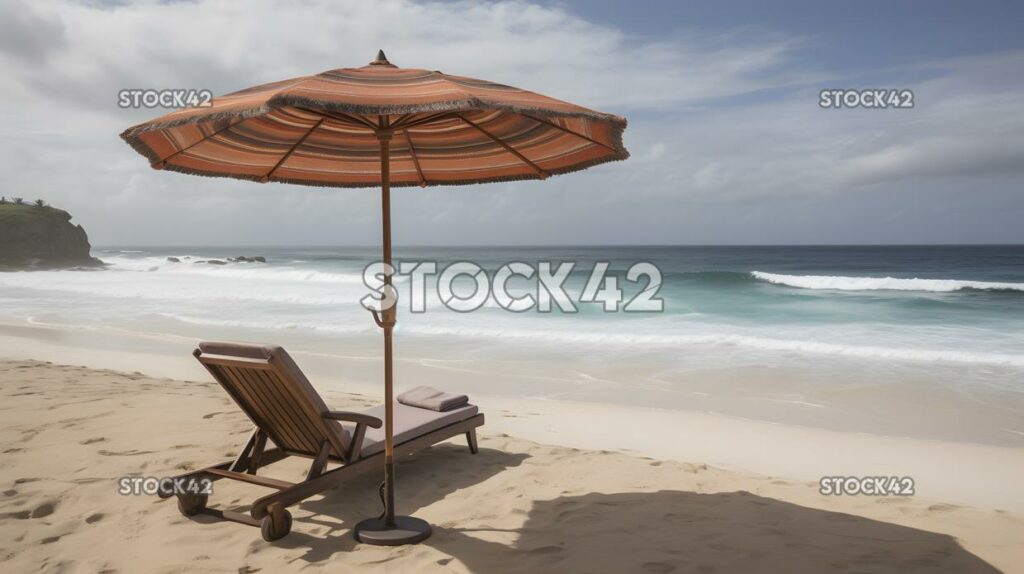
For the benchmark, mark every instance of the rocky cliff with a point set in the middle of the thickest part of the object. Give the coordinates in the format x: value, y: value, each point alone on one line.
x: 35, y: 237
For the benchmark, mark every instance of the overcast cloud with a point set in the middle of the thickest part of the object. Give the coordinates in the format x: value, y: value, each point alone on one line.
x: 728, y: 142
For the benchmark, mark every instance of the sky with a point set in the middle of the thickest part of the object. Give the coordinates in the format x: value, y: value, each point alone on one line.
x: 728, y: 142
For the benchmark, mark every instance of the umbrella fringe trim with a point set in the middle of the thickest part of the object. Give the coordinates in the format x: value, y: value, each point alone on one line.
x: 462, y: 105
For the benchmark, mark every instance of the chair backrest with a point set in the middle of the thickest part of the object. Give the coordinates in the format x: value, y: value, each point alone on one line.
x: 269, y: 387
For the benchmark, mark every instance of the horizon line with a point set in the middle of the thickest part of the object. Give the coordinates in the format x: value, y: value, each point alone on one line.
x: 538, y: 245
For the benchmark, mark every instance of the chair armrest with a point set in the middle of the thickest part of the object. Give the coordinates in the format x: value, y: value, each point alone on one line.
x: 358, y: 418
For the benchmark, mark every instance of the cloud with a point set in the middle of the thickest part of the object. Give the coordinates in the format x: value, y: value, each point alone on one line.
x: 225, y: 46
x: 27, y: 35
x: 725, y: 132
x: 967, y: 126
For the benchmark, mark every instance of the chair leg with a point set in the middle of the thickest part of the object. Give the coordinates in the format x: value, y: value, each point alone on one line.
x: 257, y: 451
x: 471, y: 439
x: 241, y: 462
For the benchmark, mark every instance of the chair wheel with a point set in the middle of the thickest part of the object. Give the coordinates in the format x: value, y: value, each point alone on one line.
x: 276, y: 525
x: 191, y: 504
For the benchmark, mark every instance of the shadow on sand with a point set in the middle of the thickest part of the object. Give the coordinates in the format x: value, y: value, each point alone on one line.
x: 422, y: 479
x: 664, y: 531
x: 673, y: 531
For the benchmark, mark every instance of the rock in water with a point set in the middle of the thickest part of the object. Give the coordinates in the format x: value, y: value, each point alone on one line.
x: 34, y: 237
x: 174, y: 259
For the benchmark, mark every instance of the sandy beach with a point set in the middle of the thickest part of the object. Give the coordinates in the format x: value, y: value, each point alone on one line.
x: 718, y: 288
x: 69, y: 432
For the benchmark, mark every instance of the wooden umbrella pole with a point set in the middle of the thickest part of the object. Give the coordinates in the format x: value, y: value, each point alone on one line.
x: 390, y: 530
x: 389, y: 316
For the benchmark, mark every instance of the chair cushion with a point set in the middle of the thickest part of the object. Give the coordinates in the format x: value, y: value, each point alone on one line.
x: 411, y: 422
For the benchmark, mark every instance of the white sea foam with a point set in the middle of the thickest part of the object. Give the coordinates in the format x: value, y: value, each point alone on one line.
x: 259, y: 271
x: 727, y: 340
x: 841, y: 283
x: 338, y: 328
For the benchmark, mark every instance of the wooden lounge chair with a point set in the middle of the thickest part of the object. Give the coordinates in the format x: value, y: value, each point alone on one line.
x: 268, y: 386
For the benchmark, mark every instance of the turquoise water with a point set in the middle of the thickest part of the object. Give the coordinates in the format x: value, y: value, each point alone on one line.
x: 873, y: 309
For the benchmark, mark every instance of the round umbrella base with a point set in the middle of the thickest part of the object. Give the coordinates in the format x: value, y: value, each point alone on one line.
x: 407, y: 530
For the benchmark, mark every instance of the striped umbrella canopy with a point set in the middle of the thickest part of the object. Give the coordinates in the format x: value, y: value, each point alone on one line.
x: 380, y: 125
x: 323, y: 130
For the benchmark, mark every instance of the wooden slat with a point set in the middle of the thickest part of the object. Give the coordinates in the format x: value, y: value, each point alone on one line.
x: 227, y: 361
x: 313, y: 417
x: 232, y: 516
x: 281, y: 420
x: 257, y: 403
x: 293, y: 411
x: 251, y: 402
x: 268, y: 395
x: 251, y: 478
x: 220, y: 374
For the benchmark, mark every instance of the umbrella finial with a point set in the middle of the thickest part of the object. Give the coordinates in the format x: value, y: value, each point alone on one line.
x: 381, y: 60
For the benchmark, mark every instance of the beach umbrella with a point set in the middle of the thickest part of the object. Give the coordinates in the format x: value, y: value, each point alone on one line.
x: 381, y: 126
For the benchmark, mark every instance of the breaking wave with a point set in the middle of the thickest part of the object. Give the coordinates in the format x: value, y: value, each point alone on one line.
x: 840, y: 283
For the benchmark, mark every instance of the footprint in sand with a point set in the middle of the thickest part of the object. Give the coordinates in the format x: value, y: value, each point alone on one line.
x: 27, y: 435
x: 93, y: 440
x: 131, y: 452
x: 546, y: 550
x: 49, y: 540
x: 20, y: 515
x: 92, y: 518
x: 44, y: 509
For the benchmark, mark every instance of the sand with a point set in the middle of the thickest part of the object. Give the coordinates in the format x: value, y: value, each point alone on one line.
x: 68, y: 433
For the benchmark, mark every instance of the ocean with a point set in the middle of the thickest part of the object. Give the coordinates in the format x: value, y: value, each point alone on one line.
x: 806, y: 323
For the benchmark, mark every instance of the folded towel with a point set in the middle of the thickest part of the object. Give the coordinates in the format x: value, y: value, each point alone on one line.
x: 433, y: 399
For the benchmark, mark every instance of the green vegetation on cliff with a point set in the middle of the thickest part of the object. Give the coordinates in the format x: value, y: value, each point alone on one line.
x: 10, y: 212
